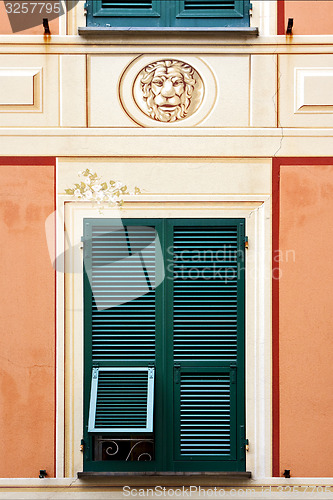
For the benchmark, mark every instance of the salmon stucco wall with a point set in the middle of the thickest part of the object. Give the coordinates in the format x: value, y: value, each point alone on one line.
x: 6, y: 29
x: 311, y: 17
x: 27, y: 340
x: 306, y: 320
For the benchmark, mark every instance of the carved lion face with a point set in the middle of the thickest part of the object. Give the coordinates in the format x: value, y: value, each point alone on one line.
x: 167, y: 88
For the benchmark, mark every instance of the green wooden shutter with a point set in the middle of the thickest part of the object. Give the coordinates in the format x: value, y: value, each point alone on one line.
x: 206, y: 292
x: 191, y: 327
x: 168, y: 13
x: 122, y: 311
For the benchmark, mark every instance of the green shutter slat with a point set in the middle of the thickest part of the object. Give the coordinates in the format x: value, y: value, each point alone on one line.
x: 209, y: 4
x: 205, y: 414
x: 123, y: 301
x: 126, y: 4
x: 201, y: 272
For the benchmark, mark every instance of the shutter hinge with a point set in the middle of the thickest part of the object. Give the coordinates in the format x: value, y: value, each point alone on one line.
x: 250, y: 8
x: 176, y: 374
x: 246, y: 241
x: 244, y: 443
x: 82, y: 445
x: 85, y: 7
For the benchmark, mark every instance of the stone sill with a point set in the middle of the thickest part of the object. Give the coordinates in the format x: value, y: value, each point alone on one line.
x: 104, y: 31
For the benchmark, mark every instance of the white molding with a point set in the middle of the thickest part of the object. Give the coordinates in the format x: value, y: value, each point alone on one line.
x: 264, y: 16
x: 259, y: 143
x: 300, y: 104
x: 136, y: 43
x: 60, y: 336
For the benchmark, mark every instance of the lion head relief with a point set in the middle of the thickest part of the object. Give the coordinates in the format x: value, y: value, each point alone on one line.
x: 167, y: 88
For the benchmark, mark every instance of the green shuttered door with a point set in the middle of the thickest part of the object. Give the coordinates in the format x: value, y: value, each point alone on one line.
x: 190, y: 328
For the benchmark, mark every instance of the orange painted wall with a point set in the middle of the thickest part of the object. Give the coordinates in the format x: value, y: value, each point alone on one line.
x: 311, y: 17
x: 306, y: 320
x: 27, y: 339
x: 6, y: 29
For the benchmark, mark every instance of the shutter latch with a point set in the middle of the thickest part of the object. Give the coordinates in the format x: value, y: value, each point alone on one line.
x: 233, y: 373
x: 176, y: 374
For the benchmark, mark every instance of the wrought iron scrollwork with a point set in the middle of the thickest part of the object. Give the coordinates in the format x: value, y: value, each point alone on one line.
x: 124, y: 449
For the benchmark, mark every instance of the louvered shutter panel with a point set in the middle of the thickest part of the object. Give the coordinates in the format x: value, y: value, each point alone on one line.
x: 212, y: 13
x: 206, y: 402
x: 126, y: 13
x: 206, y: 293
x: 122, y: 281
x: 121, y: 400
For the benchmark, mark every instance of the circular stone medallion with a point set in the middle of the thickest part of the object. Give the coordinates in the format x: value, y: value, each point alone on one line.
x: 164, y: 91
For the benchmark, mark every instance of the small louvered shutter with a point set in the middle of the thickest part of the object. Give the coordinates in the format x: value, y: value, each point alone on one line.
x: 121, y: 400
x: 126, y: 13
x: 207, y: 292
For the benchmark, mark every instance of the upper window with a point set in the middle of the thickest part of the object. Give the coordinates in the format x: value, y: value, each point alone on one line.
x: 168, y: 13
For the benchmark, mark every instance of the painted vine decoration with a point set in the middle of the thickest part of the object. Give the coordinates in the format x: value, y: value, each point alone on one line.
x: 93, y: 188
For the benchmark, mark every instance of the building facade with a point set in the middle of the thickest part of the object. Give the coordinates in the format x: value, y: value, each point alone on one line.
x: 180, y: 338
